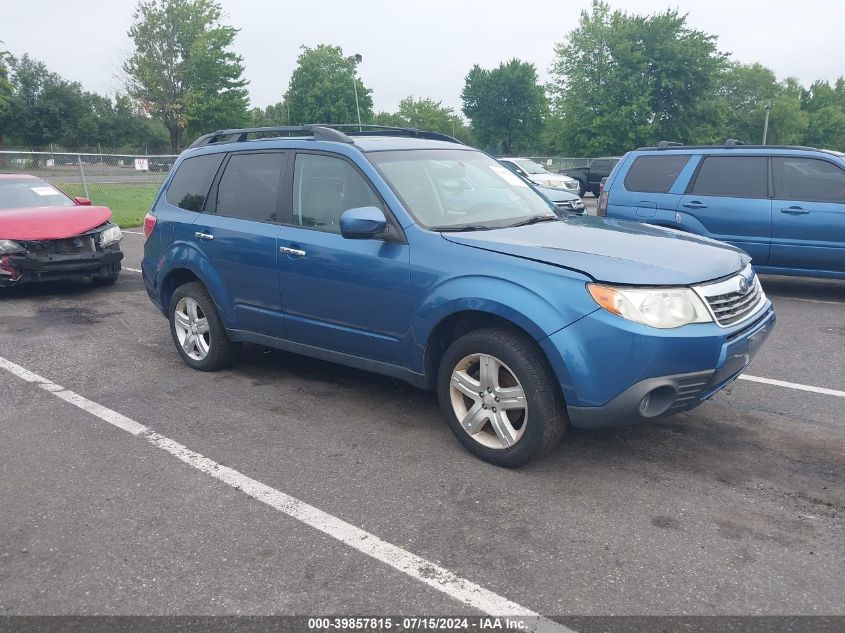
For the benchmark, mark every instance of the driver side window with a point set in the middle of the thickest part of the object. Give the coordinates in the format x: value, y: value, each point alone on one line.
x: 325, y: 187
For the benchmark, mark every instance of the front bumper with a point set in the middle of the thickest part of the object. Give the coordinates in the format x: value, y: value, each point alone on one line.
x: 32, y: 268
x: 656, y: 392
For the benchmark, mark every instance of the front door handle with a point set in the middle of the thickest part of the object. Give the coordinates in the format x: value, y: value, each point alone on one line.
x: 292, y: 251
x: 795, y: 210
x: 203, y: 236
x: 695, y: 204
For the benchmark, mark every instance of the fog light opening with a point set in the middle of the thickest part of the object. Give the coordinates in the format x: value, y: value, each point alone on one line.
x: 657, y: 401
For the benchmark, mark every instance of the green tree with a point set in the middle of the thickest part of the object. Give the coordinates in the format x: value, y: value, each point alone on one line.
x: 7, y: 93
x: 46, y: 108
x: 273, y: 115
x: 623, y: 80
x: 826, y: 128
x: 183, y: 71
x: 825, y: 107
x: 505, y: 106
x: 321, y: 88
x: 426, y: 114
x: 745, y: 91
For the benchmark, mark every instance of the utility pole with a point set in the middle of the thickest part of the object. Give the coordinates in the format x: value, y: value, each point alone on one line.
x: 354, y: 60
x: 769, y: 106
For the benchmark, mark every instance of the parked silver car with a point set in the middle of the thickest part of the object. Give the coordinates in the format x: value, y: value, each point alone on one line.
x: 539, y: 175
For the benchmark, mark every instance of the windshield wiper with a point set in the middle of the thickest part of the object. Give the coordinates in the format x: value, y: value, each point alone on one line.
x: 534, y: 220
x: 460, y: 228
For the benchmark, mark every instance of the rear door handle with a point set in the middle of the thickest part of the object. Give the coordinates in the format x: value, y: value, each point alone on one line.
x: 292, y: 251
x: 695, y: 204
x: 203, y: 236
x: 795, y: 210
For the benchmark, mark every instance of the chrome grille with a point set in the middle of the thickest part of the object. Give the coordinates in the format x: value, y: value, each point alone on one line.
x: 735, y: 299
x: 575, y: 205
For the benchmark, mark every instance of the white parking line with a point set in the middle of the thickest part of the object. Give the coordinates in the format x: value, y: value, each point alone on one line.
x: 131, y: 232
x: 416, y: 567
x: 132, y: 270
x: 793, y: 385
x: 832, y: 303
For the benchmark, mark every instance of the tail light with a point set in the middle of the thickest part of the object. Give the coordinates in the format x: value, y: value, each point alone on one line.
x: 601, y: 211
x: 149, y: 225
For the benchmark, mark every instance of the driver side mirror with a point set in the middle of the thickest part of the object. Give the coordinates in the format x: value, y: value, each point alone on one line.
x: 83, y: 202
x: 362, y: 223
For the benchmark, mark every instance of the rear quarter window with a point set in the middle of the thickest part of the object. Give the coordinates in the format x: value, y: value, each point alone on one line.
x: 655, y: 174
x: 190, y: 185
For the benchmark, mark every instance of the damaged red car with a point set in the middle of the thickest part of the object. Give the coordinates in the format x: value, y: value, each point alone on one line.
x: 46, y: 235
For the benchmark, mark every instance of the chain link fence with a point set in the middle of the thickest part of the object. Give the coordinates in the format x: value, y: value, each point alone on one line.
x: 556, y: 163
x: 125, y: 183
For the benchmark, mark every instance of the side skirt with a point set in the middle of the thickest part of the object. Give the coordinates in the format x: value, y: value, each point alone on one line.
x: 341, y: 358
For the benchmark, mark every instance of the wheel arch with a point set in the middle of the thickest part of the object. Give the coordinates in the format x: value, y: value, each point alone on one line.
x: 187, y: 265
x: 462, y: 322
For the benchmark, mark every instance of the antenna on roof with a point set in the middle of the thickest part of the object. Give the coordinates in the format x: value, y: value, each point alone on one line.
x: 732, y: 142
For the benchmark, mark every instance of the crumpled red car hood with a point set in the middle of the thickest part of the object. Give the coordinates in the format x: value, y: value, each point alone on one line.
x: 50, y: 223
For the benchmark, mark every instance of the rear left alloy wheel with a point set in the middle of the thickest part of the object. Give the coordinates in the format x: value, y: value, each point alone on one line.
x: 197, y: 331
x: 500, y: 398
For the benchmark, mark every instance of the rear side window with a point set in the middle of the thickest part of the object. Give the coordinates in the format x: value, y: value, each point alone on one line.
x: 732, y: 176
x: 808, y: 179
x: 655, y: 174
x: 250, y: 186
x: 190, y: 185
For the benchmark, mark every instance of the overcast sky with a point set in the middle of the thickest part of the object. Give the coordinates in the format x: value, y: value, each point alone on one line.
x: 425, y: 47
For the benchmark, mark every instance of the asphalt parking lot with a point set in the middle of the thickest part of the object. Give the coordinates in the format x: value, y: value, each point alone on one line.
x: 733, y: 508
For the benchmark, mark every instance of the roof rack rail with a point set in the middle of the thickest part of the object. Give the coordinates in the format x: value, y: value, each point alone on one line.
x: 337, y: 132
x: 669, y: 144
x: 319, y: 132
x: 732, y: 142
x: 739, y: 144
x: 391, y: 130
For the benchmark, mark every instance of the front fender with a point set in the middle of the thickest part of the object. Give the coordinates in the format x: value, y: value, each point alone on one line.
x: 488, y: 294
x: 538, y: 313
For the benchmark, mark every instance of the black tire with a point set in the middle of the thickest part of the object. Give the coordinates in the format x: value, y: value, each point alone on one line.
x: 105, y: 281
x: 546, y: 420
x: 596, y: 192
x: 221, y: 351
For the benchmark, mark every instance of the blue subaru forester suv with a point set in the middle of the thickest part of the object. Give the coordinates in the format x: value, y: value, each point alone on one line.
x: 409, y: 254
x: 784, y: 206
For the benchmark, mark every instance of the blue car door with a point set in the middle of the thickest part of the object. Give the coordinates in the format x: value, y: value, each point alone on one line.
x: 238, y: 233
x: 728, y: 199
x: 808, y: 230
x: 344, y: 295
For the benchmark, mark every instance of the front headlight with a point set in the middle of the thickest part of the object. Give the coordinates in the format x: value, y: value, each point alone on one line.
x: 555, y: 183
x: 8, y: 246
x: 110, y: 236
x: 658, y: 307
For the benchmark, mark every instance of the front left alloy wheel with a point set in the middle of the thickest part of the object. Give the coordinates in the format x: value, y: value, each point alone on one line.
x: 500, y: 397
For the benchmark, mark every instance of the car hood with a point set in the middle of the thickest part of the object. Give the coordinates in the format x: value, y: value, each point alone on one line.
x: 614, y: 251
x: 50, y: 223
x: 556, y: 195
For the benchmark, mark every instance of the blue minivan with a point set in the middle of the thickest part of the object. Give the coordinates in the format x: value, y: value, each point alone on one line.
x: 409, y: 254
x: 784, y: 206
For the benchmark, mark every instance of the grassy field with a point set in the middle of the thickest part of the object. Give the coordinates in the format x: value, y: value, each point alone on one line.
x: 129, y: 203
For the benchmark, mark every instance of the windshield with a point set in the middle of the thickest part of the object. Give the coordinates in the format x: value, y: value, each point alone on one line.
x: 26, y: 193
x: 446, y: 189
x: 530, y: 167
